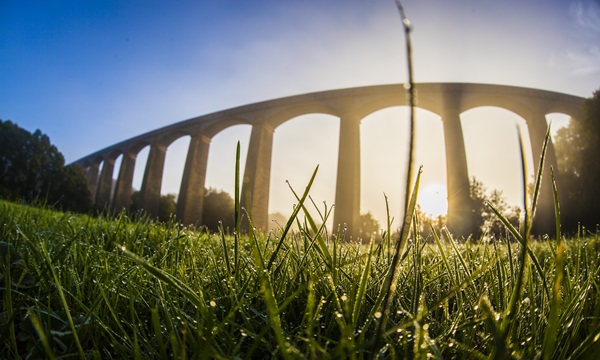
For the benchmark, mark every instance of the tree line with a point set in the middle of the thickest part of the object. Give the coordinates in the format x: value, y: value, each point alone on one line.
x: 34, y: 171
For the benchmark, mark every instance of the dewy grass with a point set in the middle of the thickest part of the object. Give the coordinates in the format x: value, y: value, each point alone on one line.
x: 170, y: 293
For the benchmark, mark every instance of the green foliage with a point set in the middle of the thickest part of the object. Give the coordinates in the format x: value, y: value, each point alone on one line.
x: 167, y: 207
x: 32, y: 169
x: 218, y: 208
x: 577, y: 148
x: 484, y: 219
x: 368, y: 227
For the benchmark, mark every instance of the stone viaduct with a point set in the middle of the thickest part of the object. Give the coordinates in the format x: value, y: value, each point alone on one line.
x: 448, y: 100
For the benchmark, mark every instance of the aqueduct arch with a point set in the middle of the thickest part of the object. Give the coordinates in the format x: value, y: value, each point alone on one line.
x: 448, y: 100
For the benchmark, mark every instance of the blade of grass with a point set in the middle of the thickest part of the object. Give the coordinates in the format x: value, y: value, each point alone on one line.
x: 270, y: 300
x: 362, y: 287
x: 538, y: 182
x: 290, y: 222
x: 39, y: 328
x: 556, y: 207
x: 63, y: 299
x: 556, y: 301
x: 322, y: 249
x: 513, y: 303
x: 500, y: 350
x: 531, y: 254
x: 167, y: 278
x: 388, y: 288
x: 237, y: 212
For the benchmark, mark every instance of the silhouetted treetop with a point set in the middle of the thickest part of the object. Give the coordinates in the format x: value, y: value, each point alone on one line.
x: 577, y: 150
x: 31, y: 168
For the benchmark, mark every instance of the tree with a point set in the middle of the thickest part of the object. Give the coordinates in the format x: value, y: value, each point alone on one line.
x: 32, y: 169
x: 484, y: 219
x: 167, y: 207
x: 427, y: 223
x: 74, y: 190
x: 367, y: 226
x: 577, y: 148
x: 218, y: 207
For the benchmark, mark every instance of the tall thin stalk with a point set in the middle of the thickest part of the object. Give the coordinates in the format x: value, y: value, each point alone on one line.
x: 411, y: 99
x: 388, y: 288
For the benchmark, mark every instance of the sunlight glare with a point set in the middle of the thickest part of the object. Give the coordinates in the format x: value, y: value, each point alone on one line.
x: 433, y: 199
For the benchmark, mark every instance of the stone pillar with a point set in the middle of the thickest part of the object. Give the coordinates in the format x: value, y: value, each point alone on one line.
x: 459, y: 199
x: 543, y: 221
x: 257, y: 177
x: 92, y: 180
x: 152, y: 182
x: 105, y: 183
x: 123, y: 190
x: 191, y: 193
x: 347, y: 191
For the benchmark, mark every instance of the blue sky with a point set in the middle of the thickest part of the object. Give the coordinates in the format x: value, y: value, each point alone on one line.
x: 92, y: 73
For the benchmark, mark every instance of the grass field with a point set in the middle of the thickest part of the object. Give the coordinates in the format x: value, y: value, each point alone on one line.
x: 79, y: 286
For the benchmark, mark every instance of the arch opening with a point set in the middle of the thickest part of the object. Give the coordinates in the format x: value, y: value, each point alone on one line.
x: 174, y: 164
x: 384, y: 156
x: 140, y: 167
x: 114, y: 177
x: 220, y: 173
x: 299, y: 145
x: 493, y: 151
x: 557, y: 121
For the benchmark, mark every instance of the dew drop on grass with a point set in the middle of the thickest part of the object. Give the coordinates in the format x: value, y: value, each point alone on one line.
x: 570, y: 324
x: 344, y: 297
x: 213, y: 303
x: 378, y: 315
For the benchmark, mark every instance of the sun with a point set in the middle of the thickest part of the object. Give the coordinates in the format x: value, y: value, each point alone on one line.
x: 433, y: 199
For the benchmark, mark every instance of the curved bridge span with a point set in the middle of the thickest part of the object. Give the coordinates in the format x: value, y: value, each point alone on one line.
x: 448, y: 100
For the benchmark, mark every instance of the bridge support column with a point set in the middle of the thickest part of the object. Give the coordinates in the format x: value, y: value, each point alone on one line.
x: 543, y: 221
x: 152, y: 182
x: 459, y: 198
x: 257, y: 177
x: 347, y: 191
x: 92, y: 179
x: 191, y: 193
x: 105, y: 183
x: 124, y: 188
